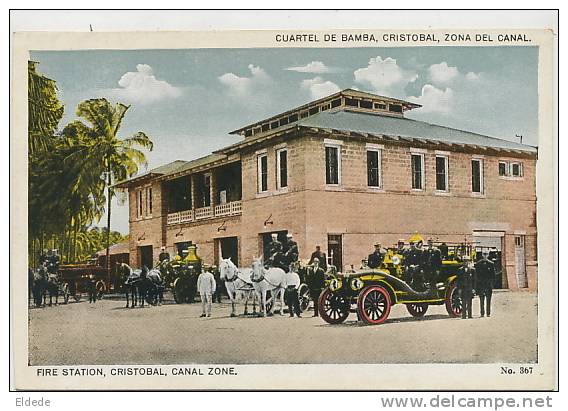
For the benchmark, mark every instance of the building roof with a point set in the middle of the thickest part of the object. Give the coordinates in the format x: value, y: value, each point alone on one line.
x: 198, y: 162
x: 119, y: 248
x: 404, y: 127
x: 292, y: 115
x: 158, y: 171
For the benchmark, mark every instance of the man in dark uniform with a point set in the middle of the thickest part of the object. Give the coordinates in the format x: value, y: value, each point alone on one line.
x: 315, y: 280
x: 52, y: 262
x: 291, y: 252
x: 274, y: 252
x: 217, y: 276
x: 412, y: 262
x: 164, y: 255
x: 444, y: 250
x: 92, y: 289
x: 322, y: 258
x: 485, y: 270
x: 465, y: 283
x: 376, y: 258
x: 432, y: 262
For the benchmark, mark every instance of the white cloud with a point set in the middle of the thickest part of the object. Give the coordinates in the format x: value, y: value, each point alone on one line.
x: 244, y: 85
x: 316, y: 67
x: 142, y: 86
x: 434, y: 100
x: 442, y: 74
x: 471, y: 76
x: 385, y: 76
x: 319, y: 87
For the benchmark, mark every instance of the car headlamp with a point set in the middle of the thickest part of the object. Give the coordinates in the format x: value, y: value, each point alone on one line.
x: 335, y: 284
x: 357, y: 284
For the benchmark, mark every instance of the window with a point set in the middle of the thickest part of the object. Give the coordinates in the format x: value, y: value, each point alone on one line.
x: 139, y: 203
x: 441, y: 173
x: 366, y: 104
x: 503, y: 168
x: 395, y: 108
x: 332, y: 162
x: 149, y: 200
x: 374, y: 168
x: 351, y: 102
x: 477, y: 176
x: 381, y: 106
x: 325, y: 107
x: 417, y: 165
x: 284, y: 121
x: 517, y: 169
x: 313, y: 110
x: 293, y: 117
x: 262, y: 173
x: 274, y: 125
x: 336, y: 103
x: 265, y: 127
x: 282, y: 168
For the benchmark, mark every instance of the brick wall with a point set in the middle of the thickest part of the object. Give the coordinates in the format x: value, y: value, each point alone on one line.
x: 310, y: 210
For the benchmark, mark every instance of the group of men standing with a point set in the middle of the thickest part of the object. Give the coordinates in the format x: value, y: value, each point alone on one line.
x: 477, y: 279
x: 422, y: 268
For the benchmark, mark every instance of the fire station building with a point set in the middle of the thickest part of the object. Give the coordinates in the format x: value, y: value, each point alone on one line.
x: 342, y: 172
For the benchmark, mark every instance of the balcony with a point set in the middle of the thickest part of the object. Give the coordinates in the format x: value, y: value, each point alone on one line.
x: 203, y: 213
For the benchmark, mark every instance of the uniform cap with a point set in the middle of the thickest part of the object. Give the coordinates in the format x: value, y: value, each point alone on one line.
x: 415, y: 238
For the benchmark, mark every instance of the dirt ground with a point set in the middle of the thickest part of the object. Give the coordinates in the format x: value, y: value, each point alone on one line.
x: 107, y: 333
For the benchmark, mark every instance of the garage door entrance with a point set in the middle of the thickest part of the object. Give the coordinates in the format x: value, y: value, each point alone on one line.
x: 492, y: 241
x: 227, y: 247
x: 146, y: 256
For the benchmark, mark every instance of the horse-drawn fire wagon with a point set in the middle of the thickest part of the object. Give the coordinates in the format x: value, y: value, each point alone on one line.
x: 77, y: 277
x: 181, y: 275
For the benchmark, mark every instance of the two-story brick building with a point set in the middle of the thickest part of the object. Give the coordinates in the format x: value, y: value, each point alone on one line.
x: 342, y: 172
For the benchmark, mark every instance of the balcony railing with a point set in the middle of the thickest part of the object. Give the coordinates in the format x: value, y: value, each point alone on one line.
x: 186, y: 216
x: 232, y: 208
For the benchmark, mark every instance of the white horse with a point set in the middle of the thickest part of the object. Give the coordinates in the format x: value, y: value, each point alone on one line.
x: 272, y: 279
x: 238, y: 284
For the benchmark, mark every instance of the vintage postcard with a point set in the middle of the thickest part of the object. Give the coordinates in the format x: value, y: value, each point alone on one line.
x: 317, y: 209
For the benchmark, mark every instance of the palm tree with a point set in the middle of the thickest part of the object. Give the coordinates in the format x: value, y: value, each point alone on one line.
x: 102, y: 156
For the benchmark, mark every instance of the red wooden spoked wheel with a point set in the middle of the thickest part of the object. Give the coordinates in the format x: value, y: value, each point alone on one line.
x: 417, y: 309
x: 333, y: 308
x: 373, y: 305
x: 453, y: 300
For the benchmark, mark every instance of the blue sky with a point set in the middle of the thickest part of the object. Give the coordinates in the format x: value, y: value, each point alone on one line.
x: 188, y: 100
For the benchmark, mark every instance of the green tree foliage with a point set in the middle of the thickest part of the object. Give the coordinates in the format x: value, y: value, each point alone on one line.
x: 71, y: 173
x: 44, y: 109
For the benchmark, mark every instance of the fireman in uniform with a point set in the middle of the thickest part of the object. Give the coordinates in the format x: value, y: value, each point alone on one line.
x: 274, y: 251
x: 320, y: 255
x: 164, y: 255
x: 52, y: 262
x: 412, y: 262
x: 92, y: 289
x: 291, y: 251
x: 432, y: 262
x: 485, y: 271
x: 316, y: 282
x: 466, y: 283
x: 376, y: 258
